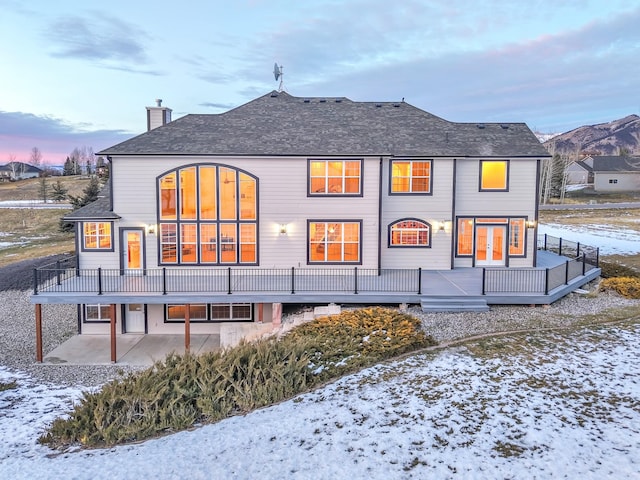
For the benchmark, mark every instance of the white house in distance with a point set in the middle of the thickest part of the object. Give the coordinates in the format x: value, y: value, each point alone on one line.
x: 13, y: 171
x: 607, y: 173
x: 220, y: 218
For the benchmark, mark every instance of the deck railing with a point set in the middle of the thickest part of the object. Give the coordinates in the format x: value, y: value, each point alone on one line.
x: 580, y: 260
x: 227, y: 280
x: 567, y: 248
x: 64, y: 277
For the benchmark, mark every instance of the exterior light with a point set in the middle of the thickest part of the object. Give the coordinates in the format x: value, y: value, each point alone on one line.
x: 531, y: 224
x: 283, y: 229
x: 150, y: 229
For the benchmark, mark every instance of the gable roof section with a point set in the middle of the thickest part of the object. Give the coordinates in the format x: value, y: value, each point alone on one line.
x: 278, y: 124
x: 616, y: 164
x: 582, y: 165
x: 99, y: 209
x: 20, y: 167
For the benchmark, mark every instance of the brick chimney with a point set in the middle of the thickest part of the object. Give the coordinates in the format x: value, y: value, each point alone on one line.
x: 158, y: 115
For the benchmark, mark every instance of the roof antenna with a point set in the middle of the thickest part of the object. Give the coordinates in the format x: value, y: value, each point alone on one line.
x: 277, y: 73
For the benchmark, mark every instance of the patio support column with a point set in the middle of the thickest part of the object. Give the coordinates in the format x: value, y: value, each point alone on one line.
x: 39, y: 332
x: 187, y: 328
x: 112, y: 315
x: 260, y: 312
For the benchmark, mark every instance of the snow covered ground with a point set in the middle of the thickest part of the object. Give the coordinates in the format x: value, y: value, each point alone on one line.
x: 544, y: 405
x: 548, y: 405
x: 609, y: 239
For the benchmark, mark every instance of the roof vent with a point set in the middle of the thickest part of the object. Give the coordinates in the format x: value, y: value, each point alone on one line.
x: 338, y: 100
x: 396, y: 105
x: 504, y: 126
x: 378, y: 105
x: 322, y: 100
x: 306, y: 100
x: 480, y: 125
x: 159, y: 102
x: 274, y: 94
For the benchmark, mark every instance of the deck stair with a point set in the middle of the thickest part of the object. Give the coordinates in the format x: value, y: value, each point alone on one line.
x: 453, y: 303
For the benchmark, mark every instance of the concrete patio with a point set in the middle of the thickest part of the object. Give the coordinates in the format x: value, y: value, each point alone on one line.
x: 145, y: 350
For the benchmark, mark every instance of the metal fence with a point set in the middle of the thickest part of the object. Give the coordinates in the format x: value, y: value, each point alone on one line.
x: 226, y: 280
x: 64, y: 277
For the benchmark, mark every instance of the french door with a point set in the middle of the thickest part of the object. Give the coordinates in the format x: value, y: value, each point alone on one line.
x: 491, y: 243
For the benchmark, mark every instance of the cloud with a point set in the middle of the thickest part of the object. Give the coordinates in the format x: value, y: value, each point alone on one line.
x: 55, y: 138
x: 217, y: 106
x: 555, y: 79
x: 100, y: 37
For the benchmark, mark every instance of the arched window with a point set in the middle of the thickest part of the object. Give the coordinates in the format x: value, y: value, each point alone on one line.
x: 207, y: 215
x: 410, y: 232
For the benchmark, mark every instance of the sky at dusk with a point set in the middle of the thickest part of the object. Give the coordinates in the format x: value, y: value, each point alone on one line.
x: 80, y: 73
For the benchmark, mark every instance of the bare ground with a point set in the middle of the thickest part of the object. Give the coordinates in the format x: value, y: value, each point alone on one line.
x: 19, y: 275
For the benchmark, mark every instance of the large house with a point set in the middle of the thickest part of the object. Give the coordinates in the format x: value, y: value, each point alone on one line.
x: 216, y: 219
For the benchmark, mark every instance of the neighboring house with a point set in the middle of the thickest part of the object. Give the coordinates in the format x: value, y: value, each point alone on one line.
x: 5, y: 173
x: 216, y: 219
x: 579, y: 173
x: 615, y: 173
x: 19, y: 171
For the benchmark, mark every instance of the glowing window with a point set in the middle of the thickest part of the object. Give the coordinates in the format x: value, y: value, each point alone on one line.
x: 335, y: 177
x: 197, y: 312
x: 410, y: 233
x: 334, y: 242
x: 516, y: 236
x: 97, y: 236
x: 494, y: 175
x: 217, y: 218
x: 411, y: 176
x: 465, y: 236
x: 168, y: 197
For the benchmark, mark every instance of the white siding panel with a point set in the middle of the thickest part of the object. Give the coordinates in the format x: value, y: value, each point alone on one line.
x: 433, y: 209
x: 624, y: 182
x: 282, y: 200
x: 519, y: 200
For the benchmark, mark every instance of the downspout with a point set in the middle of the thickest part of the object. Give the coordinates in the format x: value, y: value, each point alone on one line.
x: 454, y: 224
x: 380, y: 216
x: 537, y: 211
x: 110, y: 183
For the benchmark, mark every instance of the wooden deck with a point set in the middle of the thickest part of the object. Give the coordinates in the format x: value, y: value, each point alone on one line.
x: 332, y: 286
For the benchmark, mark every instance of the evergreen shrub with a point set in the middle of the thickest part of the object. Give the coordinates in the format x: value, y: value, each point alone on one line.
x: 187, y: 390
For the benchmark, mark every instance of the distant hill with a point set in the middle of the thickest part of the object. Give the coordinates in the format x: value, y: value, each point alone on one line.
x: 601, y: 139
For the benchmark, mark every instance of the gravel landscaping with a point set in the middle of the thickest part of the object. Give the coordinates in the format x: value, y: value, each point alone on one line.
x: 17, y: 332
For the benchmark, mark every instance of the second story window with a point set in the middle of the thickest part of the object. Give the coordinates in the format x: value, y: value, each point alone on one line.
x: 494, y: 175
x: 410, y: 176
x: 335, y: 177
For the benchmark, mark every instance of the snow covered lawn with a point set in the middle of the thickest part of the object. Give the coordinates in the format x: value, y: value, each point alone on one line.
x: 561, y: 405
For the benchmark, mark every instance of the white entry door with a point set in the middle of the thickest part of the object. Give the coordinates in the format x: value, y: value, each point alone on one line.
x: 132, y: 251
x: 134, y: 322
x: 491, y: 241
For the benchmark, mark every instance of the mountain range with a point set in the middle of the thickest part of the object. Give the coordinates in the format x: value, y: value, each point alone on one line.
x: 608, y: 138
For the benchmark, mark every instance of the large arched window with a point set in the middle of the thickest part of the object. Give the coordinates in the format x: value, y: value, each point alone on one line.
x: 410, y: 232
x: 208, y: 214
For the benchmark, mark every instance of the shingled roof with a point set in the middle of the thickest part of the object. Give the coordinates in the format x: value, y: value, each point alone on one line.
x: 616, y: 164
x: 279, y: 124
x: 99, y: 209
